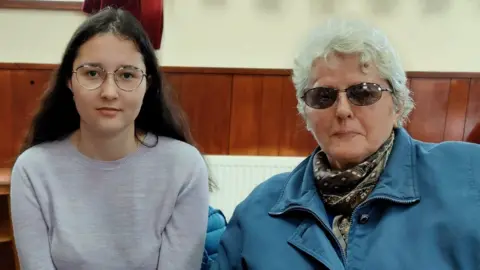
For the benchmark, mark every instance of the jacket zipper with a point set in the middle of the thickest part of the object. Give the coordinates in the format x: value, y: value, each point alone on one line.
x: 327, y: 228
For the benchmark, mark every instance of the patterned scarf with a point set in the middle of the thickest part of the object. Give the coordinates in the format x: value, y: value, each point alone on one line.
x: 343, y: 191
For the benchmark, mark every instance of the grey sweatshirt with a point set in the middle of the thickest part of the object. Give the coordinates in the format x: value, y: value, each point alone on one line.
x: 148, y: 210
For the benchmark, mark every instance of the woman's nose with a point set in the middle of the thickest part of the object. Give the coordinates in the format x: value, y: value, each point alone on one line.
x: 343, y: 106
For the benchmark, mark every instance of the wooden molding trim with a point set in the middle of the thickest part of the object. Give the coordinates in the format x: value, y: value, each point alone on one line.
x: 443, y: 74
x: 41, y: 4
x: 198, y: 70
x: 218, y: 70
x: 246, y: 71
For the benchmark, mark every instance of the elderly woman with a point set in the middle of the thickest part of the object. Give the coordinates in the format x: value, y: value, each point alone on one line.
x: 370, y: 196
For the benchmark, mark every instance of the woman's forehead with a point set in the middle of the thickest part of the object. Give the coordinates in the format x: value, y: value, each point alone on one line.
x: 110, y: 52
x: 342, y: 72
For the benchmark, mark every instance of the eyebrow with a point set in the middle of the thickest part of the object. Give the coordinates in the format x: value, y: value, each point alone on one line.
x: 93, y: 64
x: 96, y: 64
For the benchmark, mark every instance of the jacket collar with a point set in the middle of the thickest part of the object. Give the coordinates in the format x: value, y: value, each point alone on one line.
x: 397, y: 182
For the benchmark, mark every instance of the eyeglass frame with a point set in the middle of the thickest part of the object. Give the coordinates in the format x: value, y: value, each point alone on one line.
x: 379, y: 87
x: 106, y: 76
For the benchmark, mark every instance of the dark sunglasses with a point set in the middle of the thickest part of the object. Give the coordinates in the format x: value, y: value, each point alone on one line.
x: 362, y: 94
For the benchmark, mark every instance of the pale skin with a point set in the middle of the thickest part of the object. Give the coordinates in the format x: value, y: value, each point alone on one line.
x: 349, y: 134
x: 107, y: 135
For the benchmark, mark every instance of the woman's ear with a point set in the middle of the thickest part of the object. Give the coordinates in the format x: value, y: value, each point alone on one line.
x: 397, y: 118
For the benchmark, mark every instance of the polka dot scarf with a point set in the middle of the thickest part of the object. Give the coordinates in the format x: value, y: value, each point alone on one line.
x: 343, y: 191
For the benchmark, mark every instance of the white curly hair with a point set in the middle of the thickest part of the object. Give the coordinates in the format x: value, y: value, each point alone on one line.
x: 353, y: 37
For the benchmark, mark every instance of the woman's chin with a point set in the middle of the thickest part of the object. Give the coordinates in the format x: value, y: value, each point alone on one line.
x: 346, y: 155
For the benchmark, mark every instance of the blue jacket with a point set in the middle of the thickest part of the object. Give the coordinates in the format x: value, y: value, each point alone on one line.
x: 424, y: 214
x: 215, y: 228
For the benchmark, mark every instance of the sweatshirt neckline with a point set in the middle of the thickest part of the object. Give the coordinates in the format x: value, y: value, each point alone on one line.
x: 107, y: 165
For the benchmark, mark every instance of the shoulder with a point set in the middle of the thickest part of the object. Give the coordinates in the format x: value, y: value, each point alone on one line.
x: 174, y: 152
x: 263, y: 197
x: 451, y: 151
x: 181, y: 161
x: 447, y: 161
x: 40, y: 156
x: 37, y: 161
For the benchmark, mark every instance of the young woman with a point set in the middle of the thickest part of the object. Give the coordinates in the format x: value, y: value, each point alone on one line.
x: 108, y: 177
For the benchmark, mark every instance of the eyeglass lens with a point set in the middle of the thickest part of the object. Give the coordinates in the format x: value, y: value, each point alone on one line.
x: 91, y: 77
x: 362, y: 94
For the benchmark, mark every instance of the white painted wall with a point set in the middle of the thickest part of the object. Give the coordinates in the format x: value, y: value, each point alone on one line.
x: 431, y: 35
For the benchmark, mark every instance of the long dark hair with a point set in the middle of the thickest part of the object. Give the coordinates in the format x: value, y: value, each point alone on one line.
x: 57, y: 116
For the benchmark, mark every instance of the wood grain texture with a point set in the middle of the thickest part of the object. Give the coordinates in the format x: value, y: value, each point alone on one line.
x: 206, y: 100
x: 249, y: 111
x: 6, y: 118
x: 250, y: 71
x: 456, y: 110
x: 271, y: 116
x: 264, y: 118
x: 473, y: 108
x: 27, y: 88
x: 295, y: 140
x: 246, y: 115
x: 427, y: 121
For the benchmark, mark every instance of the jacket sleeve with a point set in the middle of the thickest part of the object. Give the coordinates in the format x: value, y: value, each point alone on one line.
x: 231, y: 244
x: 29, y: 226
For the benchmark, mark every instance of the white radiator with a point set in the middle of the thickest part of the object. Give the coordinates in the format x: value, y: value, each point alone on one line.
x: 236, y: 176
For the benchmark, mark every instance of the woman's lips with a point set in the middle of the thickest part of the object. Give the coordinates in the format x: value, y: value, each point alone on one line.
x: 109, y: 112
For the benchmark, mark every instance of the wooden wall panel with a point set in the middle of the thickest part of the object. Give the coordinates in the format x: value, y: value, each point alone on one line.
x: 206, y: 99
x: 251, y: 111
x: 473, y: 107
x: 264, y: 118
x: 272, y: 115
x: 427, y: 121
x: 6, y: 118
x: 456, y: 110
x: 27, y: 88
x: 246, y: 117
x: 295, y: 140
x: 174, y: 80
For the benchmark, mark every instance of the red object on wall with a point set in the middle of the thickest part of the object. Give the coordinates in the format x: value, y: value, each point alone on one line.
x: 152, y: 20
x: 148, y: 12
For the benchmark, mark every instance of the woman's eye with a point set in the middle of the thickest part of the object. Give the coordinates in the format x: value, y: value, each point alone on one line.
x: 92, y: 73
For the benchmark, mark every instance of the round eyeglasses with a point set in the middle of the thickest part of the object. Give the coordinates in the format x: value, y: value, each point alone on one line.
x: 362, y: 94
x: 127, y: 78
